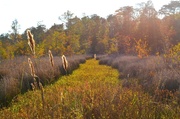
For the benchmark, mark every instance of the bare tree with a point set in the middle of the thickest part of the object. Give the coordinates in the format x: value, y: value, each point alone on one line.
x: 15, y: 27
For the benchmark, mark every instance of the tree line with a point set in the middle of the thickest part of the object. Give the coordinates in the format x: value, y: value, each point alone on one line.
x: 138, y: 31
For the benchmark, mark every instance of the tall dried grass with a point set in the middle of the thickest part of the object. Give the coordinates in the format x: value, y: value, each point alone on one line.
x: 152, y: 72
x: 51, y: 60
x: 20, y: 78
x: 31, y: 41
x: 31, y: 66
x: 86, y: 94
x: 94, y: 56
x: 65, y: 63
x: 17, y: 74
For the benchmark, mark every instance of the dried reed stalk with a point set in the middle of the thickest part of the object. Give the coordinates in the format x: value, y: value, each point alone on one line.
x: 51, y: 58
x: 31, y: 66
x: 31, y: 41
x: 36, y: 83
x: 94, y: 56
x: 33, y: 87
x: 64, y: 63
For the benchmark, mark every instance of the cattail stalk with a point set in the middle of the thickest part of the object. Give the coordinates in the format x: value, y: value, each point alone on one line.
x: 64, y: 63
x: 33, y: 87
x: 94, y: 56
x: 51, y: 58
x: 31, y: 41
x: 31, y: 66
x: 37, y: 83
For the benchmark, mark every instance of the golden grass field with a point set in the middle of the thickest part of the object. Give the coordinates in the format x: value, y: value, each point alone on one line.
x: 92, y: 91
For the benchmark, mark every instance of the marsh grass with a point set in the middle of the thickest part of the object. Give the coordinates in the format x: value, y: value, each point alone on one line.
x: 157, y: 75
x: 152, y: 71
x: 92, y: 91
x: 15, y: 74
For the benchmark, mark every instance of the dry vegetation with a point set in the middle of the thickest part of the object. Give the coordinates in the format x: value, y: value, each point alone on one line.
x: 92, y: 91
x: 15, y: 76
x: 159, y: 76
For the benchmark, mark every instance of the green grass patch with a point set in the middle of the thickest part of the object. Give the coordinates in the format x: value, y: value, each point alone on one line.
x: 92, y: 91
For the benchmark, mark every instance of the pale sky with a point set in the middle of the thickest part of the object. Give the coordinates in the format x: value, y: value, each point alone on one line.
x: 29, y: 12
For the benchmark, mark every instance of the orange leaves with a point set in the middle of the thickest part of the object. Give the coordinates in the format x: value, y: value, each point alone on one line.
x: 142, y: 48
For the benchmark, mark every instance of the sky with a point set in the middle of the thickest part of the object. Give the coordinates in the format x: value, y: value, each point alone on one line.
x: 29, y: 12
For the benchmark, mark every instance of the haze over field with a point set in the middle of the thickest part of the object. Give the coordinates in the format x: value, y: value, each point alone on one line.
x: 29, y: 13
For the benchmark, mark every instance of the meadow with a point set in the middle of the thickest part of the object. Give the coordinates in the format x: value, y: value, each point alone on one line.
x: 91, y: 91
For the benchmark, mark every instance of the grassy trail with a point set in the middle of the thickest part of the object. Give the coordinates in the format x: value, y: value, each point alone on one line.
x: 92, y: 91
x: 65, y: 98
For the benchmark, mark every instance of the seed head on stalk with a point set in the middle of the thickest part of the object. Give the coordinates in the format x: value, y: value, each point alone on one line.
x: 31, y: 41
x: 64, y: 63
x: 51, y: 58
x: 94, y: 56
x: 31, y: 66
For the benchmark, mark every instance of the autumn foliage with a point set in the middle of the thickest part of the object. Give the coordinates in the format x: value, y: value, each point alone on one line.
x: 130, y: 30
